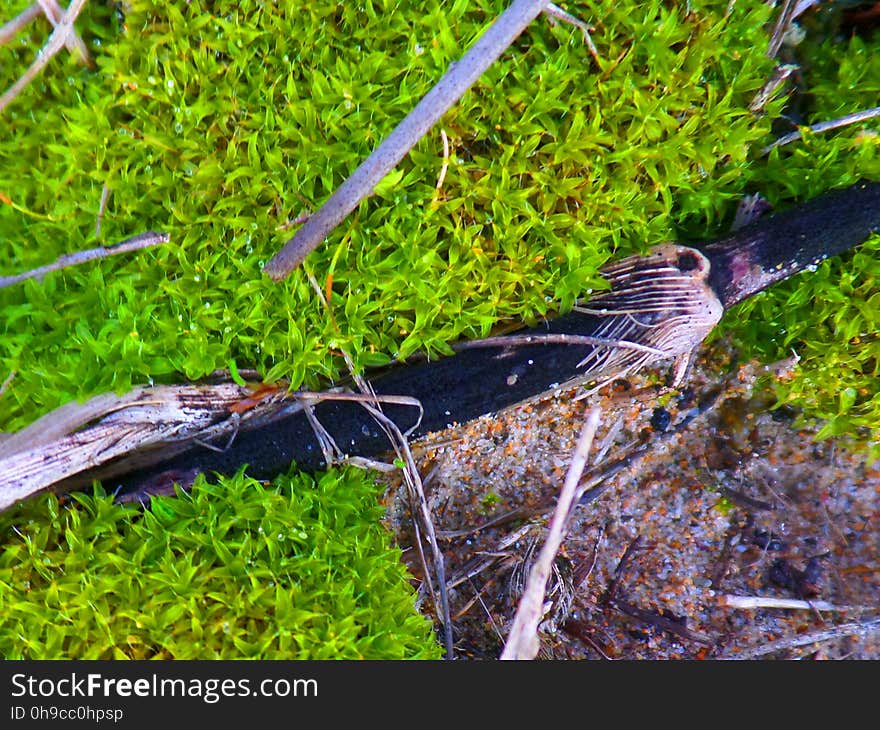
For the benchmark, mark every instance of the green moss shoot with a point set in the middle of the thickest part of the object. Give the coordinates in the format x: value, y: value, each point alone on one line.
x: 222, y: 122
x: 296, y: 569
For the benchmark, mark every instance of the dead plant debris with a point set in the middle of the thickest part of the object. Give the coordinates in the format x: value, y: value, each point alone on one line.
x: 742, y: 502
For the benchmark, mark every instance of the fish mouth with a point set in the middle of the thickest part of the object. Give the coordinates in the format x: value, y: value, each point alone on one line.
x: 780, y: 245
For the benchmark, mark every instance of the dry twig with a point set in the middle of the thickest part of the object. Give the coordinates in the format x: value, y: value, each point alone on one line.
x: 449, y: 89
x: 752, y: 602
x: 611, y: 591
x: 783, y: 23
x: 473, y: 569
x: 444, y: 167
x: 664, y: 623
x: 135, y: 243
x: 854, y: 629
x: 110, y: 434
x: 555, y: 13
x: 419, y: 504
x: 557, y: 339
x: 53, y: 12
x: 767, y: 92
x: 522, y: 642
x: 145, y: 419
x: 60, y: 36
x: 5, y: 384
x: 843, y: 121
x: 11, y: 28
x: 415, y: 488
x: 102, y: 206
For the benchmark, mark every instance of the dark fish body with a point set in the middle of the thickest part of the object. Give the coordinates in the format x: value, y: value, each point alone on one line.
x: 780, y: 245
x: 660, y: 306
x: 682, y: 289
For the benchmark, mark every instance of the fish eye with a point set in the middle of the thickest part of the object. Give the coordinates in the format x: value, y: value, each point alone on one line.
x: 688, y: 261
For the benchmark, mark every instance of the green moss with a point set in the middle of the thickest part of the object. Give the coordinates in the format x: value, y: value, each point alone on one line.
x: 237, y: 569
x: 217, y: 123
x: 829, y: 317
x: 206, y: 121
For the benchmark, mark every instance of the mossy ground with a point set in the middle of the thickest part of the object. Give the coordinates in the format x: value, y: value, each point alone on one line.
x: 221, y: 122
x: 301, y: 568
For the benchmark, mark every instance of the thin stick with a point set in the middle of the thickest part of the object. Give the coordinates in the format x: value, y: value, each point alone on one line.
x: 653, y: 618
x: 557, y: 339
x: 397, y: 400
x: 5, y: 384
x: 502, y: 519
x: 372, y: 403
x: 750, y: 602
x: 489, y: 614
x: 458, y: 78
x: 802, y: 7
x: 857, y: 629
x: 445, y: 166
x: 608, y: 440
x: 135, y: 243
x: 474, y: 568
x: 74, y: 43
x: 783, y: 23
x: 414, y: 484
x: 102, y: 206
x: 470, y: 603
x: 853, y: 118
x: 522, y: 642
x: 765, y: 94
x: 329, y: 448
x: 124, y: 427
x: 611, y: 591
x: 53, y: 45
x: 554, y: 11
x: 581, y: 575
x: 9, y: 29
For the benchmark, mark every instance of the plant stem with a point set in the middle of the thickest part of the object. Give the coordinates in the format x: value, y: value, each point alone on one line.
x: 135, y: 243
x: 458, y: 78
